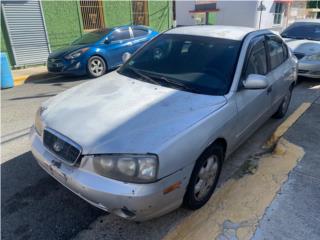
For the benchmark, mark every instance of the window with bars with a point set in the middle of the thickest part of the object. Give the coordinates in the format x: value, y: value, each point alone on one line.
x: 140, y: 12
x: 278, y: 12
x: 92, y: 14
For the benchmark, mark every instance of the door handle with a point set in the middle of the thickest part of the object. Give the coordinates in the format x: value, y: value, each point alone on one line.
x: 269, y: 90
x: 129, y: 44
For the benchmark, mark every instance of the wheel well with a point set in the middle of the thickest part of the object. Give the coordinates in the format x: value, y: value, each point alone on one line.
x: 221, y: 142
x: 292, y: 85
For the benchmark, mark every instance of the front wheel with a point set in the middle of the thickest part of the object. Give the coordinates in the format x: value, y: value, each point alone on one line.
x: 282, y: 110
x: 96, y: 66
x: 204, y: 178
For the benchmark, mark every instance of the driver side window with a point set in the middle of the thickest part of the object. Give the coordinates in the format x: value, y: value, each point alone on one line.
x: 257, y: 60
x: 120, y: 34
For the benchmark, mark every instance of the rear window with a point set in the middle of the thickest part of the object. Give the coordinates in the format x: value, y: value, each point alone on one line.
x: 310, y: 31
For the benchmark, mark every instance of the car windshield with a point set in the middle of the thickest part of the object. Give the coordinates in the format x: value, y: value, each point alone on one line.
x: 193, y: 63
x: 91, y: 37
x: 310, y: 31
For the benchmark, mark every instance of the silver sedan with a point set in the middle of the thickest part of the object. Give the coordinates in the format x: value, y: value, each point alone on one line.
x: 143, y: 140
x: 303, y: 37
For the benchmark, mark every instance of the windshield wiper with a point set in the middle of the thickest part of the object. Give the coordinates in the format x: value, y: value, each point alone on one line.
x: 145, y: 77
x: 175, y: 83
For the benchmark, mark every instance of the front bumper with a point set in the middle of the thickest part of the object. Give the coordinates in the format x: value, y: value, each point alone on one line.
x: 63, y: 66
x: 136, y: 202
x: 309, y: 69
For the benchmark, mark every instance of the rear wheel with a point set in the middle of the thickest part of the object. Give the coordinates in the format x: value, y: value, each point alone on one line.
x: 204, y: 178
x: 282, y: 110
x: 96, y: 66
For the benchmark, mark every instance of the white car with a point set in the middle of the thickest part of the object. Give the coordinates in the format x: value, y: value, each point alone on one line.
x: 303, y: 37
x: 140, y: 141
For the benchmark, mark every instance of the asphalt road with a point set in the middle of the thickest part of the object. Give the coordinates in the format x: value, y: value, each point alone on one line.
x: 35, y: 206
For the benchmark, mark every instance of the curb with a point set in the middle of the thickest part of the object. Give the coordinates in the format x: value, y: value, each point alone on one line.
x: 20, y: 80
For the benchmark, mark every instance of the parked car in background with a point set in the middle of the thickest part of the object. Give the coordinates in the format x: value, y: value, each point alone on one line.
x: 303, y: 37
x: 99, y: 51
x: 142, y: 140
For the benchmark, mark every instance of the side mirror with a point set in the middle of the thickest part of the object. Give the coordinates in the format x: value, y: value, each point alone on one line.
x: 255, y: 81
x: 107, y: 41
x: 125, y: 57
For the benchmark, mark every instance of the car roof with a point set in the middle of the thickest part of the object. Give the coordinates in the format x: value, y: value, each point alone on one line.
x: 216, y: 31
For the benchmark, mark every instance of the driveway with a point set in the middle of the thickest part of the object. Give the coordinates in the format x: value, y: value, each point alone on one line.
x: 35, y: 206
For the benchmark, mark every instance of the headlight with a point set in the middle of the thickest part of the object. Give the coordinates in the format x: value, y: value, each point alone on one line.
x: 315, y: 57
x: 38, y: 124
x: 76, y: 54
x: 128, y: 168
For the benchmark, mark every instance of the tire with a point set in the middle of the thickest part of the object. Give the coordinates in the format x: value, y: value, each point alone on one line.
x: 198, y: 194
x: 96, y: 67
x: 283, y: 108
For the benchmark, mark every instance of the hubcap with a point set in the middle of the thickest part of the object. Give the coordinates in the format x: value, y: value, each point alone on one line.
x: 206, y: 177
x: 96, y: 67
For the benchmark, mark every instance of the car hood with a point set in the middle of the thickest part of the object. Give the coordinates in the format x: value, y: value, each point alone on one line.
x: 66, y: 50
x: 304, y: 46
x: 117, y: 114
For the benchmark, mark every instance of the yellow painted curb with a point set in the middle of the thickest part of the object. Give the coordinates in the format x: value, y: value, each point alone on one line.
x: 283, y: 127
x: 20, y: 80
x: 235, y: 209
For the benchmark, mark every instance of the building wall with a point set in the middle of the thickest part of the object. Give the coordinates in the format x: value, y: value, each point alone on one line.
x: 183, y: 16
x: 297, y: 11
x: 237, y: 13
x: 117, y: 13
x: 63, y: 22
x: 159, y: 15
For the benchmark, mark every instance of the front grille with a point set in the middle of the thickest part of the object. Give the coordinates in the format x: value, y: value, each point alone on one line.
x: 54, y: 60
x: 299, y: 55
x: 64, y: 149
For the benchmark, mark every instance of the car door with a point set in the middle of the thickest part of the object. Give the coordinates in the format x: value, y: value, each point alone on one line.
x: 140, y: 36
x: 280, y: 68
x: 253, y: 105
x: 119, y: 42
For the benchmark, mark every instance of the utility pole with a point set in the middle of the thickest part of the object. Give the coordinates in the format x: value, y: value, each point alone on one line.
x: 261, y: 8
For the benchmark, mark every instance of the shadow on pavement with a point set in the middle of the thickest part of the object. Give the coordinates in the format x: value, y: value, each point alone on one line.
x: 35, y: 206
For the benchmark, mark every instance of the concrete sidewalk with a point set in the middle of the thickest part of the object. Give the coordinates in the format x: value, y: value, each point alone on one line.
x: 20, y: 76
x: 294, y: 212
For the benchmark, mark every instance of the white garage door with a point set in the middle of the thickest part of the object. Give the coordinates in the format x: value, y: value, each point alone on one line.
x: 26, y: 30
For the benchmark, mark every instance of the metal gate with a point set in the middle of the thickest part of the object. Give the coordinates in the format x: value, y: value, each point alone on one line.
x: 26, y: 29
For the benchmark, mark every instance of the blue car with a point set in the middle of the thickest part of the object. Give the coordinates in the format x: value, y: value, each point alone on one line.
x: 99, y: 51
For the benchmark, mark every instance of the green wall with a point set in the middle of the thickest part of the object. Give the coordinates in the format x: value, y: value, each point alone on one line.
x: 63, y: 22
x: 5, y: 42
x: 117, y: 13
x: 159, y: 15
